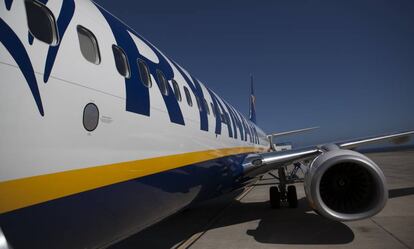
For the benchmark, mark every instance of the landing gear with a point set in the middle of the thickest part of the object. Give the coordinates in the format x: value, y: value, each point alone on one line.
x: 283, y: 194
x: 274, y: 195
x: 292, y: 197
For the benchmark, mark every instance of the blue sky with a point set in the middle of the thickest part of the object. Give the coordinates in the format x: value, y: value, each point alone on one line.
x: 346, y: 66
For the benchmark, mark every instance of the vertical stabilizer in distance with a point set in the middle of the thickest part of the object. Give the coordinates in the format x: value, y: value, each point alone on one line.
x: 252, y: 104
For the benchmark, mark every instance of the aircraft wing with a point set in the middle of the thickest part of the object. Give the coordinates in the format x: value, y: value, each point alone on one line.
x: 274, y: 159
x: 256, y: 164
x: 397, y: 138
x: 340, y: 183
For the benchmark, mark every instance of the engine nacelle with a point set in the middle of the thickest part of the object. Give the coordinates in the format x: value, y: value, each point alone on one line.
x: 345, y: 185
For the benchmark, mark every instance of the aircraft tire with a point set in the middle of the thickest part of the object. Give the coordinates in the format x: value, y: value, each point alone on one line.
x: 292, y: 197
x: 274, y: 196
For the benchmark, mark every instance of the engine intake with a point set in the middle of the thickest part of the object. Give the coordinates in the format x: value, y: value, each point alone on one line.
x: 345, y: 185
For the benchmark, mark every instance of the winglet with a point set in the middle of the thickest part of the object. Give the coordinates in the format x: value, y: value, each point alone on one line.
x: 252, y: 104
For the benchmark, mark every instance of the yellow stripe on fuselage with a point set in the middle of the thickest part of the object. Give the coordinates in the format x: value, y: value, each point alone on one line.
x: 19, y: 193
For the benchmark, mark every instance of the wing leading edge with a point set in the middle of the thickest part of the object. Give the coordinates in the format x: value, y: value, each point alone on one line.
x: 283, y: 158
x: 397, y: 138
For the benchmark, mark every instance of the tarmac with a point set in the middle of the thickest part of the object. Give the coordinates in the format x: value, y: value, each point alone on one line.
x: 247, y: 221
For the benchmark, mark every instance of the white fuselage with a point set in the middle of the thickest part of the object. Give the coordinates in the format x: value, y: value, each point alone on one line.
x: 47, y: 156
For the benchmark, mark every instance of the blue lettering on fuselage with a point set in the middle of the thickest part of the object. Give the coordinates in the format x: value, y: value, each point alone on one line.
x: 256, y: 137
x: 216, y: 111
x: 247, y: 129
x: 233, y: 119
x: 237, y: 121
x: 198, y: 92
x: 137, y: 95
x: 220, y: 110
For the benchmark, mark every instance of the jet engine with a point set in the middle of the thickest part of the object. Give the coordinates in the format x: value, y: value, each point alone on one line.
x: 345, y: 185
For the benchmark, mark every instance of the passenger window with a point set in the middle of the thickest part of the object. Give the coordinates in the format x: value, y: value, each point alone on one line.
x: 41, y: 22
x: 206, y: 106
x: 188, y: 96
x: 223, y: 117
x: 176, y: 90
x: 227, y: 119
x: 121, y: 61
x: 90, y: 117
x: 198, y: 103
x: 163, y: 83
x: 144, y: 73
x: 89, y: 45
x: 213, y: 110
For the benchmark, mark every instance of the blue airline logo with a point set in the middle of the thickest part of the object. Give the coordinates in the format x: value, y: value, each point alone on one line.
x: 17, y: 50
x: 137, y: 95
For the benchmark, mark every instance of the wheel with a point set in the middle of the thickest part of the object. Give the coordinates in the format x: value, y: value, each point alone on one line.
x: 274, y: 195
x: 292, y: 197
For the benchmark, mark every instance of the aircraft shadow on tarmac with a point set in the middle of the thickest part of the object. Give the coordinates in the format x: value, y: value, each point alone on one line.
x: 299, y: 226
x: 394, y: 193
x: 284, y: 226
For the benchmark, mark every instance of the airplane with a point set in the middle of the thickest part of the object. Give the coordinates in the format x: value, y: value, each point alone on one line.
x: 103, y: 135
